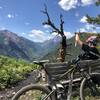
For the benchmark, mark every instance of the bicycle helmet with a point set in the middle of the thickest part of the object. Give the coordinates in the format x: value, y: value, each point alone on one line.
x: 92, y: 40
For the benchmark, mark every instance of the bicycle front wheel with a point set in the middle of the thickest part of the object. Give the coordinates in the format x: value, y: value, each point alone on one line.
x: 32, y: 92
x: 90, y: 88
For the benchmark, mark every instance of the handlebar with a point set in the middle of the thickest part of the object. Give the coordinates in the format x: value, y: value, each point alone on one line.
x: 74, y: 61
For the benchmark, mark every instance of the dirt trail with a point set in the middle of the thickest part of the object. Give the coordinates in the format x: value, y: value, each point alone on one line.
x: 9, y: 92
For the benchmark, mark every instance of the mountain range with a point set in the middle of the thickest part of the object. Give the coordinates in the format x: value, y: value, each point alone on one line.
x: 21, y: 48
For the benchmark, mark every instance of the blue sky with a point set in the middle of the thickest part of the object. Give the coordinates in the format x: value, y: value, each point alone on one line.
x: 24, y: 17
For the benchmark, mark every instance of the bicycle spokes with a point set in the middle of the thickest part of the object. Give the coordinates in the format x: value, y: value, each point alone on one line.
x: 34, y: 95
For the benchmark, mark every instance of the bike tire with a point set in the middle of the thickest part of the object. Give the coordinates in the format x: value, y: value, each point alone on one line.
x: 85, y: 92
x: 20, y: 95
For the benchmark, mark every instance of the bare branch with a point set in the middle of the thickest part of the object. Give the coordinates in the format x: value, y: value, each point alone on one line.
x: 61, y: 18
x: 46, y: 13
x: 49, y: 22
x: 61, y: 24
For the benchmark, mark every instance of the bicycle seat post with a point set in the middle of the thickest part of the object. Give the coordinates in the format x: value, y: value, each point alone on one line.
x: 42, y: 72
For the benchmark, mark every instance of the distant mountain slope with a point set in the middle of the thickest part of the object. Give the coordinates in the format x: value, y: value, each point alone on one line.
x: 15, y: 46
x: 18, y: 47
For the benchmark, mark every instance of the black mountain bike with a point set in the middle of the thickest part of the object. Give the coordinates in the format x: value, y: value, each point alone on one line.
x: 62, y: 81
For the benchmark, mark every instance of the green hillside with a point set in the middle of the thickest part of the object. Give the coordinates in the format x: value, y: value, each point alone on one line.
x: 72, y: 50
x: 12, y: 71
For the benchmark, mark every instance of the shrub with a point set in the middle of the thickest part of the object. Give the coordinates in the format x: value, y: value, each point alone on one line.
x: 12, y: 70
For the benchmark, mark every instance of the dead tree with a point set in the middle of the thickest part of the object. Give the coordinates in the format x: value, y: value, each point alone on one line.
x: 59, y: 31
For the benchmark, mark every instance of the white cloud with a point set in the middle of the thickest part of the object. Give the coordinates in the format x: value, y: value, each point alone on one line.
x: 1, y: 7
x: 23, y: 33
x: 47, y: 31
x: 89, y: 28
x: 10, y: 16
x: 98, y: 28
x: 82, y: 30
x: 2, y: 28
x: 87, y: 2
x: 68, y: 34
x: 83, y: 19
x: 46, y: 26
x: 38, y: 35
x: 68, y: 4
x: 53, y: 35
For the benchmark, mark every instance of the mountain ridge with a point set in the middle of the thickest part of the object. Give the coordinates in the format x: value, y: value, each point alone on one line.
x: 19, y: 47
x: 15, y: 46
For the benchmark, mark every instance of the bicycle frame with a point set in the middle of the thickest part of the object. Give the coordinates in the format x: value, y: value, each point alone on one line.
x: 55, y: 86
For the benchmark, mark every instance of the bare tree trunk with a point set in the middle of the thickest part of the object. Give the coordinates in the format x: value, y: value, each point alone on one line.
x: 63, y: 49
x: 59, y: 31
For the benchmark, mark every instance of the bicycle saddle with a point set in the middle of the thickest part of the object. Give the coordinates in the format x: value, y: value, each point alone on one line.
x: 41, y: 62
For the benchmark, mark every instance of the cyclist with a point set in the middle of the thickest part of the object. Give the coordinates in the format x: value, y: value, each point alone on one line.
x: 91, y: 52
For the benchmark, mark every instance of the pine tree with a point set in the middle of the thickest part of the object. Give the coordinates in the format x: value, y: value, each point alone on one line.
x: 94, y: 20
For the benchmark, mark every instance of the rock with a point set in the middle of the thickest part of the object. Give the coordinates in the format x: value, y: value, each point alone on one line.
x: 10, y: 94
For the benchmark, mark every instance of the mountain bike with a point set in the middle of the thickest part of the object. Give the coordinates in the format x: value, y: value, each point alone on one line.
x: 61, y: 83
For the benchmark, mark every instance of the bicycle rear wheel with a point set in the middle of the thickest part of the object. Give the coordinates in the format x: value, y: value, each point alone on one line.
x: 32, y: 92
x: 90, y: 89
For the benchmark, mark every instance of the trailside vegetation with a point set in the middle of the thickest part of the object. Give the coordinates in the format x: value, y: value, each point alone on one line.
x: 12, y: 71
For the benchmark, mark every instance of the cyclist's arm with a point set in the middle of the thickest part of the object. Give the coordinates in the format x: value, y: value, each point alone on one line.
x: 78, y: 40
x: 82, y: 45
